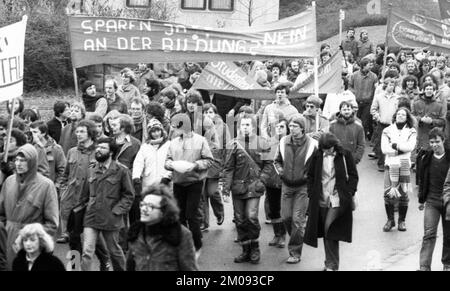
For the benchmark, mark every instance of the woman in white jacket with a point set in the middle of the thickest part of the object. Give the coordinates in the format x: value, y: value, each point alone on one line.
x: 148, y: 167
x: 397, y: 142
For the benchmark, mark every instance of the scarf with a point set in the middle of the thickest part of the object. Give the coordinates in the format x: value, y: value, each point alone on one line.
x: 157, y: 142
x: 90, y: 102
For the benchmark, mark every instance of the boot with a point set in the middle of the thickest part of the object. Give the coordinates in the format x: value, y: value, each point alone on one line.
x: 391, y: 220
x: 255, y: 253
x: 281, y: 233
x: 402, y: 210
x: 275, y: 239
x: 245, y: 256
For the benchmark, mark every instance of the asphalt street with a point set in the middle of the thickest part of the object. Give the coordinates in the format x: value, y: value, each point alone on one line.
x: 371, y: 249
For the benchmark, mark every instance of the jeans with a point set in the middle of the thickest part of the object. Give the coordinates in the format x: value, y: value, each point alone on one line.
x: 112, y: 244
x: 366, y: 117
x: 273, y: 196
x: 294, y: 205
x: 188, y: 199
x: 377, y: 147
x: 246, y: 219
x: 433, y: 213
x: 327, y: 216
x: 211, y: 195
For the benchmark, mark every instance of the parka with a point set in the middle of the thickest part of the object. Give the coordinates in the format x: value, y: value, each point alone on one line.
x: 28, y: 198
x: 431, y: 108
x: 111, y: 195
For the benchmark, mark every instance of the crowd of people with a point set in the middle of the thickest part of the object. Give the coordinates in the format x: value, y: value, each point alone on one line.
x: 129, y: 175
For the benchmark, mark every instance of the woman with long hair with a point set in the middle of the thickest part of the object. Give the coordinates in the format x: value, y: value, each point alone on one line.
x: 397, y: 142
x: 35, y: 250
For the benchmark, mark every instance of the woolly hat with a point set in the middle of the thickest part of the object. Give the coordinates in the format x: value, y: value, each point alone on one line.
x: 391, y: 56
x: 86, y: 85
x: 299, y: 119
x: 154, y: 124
x: 314, y: 100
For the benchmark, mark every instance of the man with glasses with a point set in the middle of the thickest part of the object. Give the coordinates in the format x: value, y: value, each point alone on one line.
x: 26, y: 186
x: 110, y: 196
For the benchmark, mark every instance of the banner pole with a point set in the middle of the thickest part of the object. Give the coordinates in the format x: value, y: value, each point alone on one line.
x: 386, y: 48
x: 340, y: 26
x: 316, y: 88
x: 75, y: 80
x: 10, y: 125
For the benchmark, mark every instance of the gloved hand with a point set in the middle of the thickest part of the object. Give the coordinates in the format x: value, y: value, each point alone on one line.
x: 165, y: 181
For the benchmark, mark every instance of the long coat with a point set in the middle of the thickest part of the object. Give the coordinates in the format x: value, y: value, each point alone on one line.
x: 75, y: 178
x: 341, y: 227
x: 33, y: 201
x: 111, y: 195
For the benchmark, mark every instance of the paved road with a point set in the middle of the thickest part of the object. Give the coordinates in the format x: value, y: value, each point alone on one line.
x: 371, y: 247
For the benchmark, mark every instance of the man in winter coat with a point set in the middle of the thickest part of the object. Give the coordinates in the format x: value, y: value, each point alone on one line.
x: 350, y: 44
x: 111, y: 195
x: 349, y: 131
x: 59, y: 121
x: 292, y: 162
x: 332, y: 183
x: 365, y: 46
x: 312, y: 116
x: 27, y: 197
x: 247, y: 168
x: 429, y: 113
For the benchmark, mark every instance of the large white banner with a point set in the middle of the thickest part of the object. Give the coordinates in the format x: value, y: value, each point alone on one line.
x: 12, y: 47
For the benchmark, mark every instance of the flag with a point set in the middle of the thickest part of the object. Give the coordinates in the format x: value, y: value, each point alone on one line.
x: 12, y: 47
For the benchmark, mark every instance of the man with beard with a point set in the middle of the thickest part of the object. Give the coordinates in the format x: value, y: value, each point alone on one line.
x: 350, y: 44
x: 349, y: 131
x: 75, y: 183
x: 122, y: 128
x: 313, y: 116
x: 293, y: 71
x: 110, y: 196
x: 429, y: 113
x: 365, y: 46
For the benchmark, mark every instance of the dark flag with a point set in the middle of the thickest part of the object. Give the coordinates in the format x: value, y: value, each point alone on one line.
x: 445, y: 8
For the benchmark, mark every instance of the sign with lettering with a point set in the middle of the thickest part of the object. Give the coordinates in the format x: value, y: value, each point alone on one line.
x: 101, y: 40
x: 12, y: 46
x: 227, y: 79
x: 417, y: 32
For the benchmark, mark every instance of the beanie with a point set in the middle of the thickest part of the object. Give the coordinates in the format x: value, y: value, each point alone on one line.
x: 299, y: 119
x: 86, y: 85
x: 314, y: 100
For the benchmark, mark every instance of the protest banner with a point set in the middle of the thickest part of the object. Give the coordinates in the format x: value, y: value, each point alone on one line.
x: 102, y: 40
x: 12, y: 46
x: 418, y: 32
x: 226, y: 78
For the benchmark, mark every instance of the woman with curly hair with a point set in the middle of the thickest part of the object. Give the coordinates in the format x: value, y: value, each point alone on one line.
x: 397, y: 142
x: 35, y: 250
x: 410, y: 88
x: 159, y: 242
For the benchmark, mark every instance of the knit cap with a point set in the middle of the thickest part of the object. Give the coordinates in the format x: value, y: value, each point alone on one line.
x: 299, y: 119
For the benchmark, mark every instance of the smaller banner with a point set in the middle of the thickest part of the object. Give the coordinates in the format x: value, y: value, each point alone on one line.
x: 444, y: 6
x: 418, y: 32
x: 12, y: 47
x: 226, y: 78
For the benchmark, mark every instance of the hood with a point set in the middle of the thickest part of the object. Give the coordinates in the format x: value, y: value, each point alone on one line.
x: 31, y: 155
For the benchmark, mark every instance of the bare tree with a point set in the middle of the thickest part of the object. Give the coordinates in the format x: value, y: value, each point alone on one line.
x: 253, y: 11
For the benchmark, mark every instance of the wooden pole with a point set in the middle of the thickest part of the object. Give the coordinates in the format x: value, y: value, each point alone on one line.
x: 340, y: 25
x: 10, y: 125
x: 316, y: 88
x: 75, y: 79
x: 386, y: 48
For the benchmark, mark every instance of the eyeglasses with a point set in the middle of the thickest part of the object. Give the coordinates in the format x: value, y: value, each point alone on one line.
x: 148, y: 205
x: 310, y: 106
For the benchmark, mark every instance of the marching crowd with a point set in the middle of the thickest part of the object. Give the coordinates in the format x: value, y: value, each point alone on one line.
x: 128, y: 176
